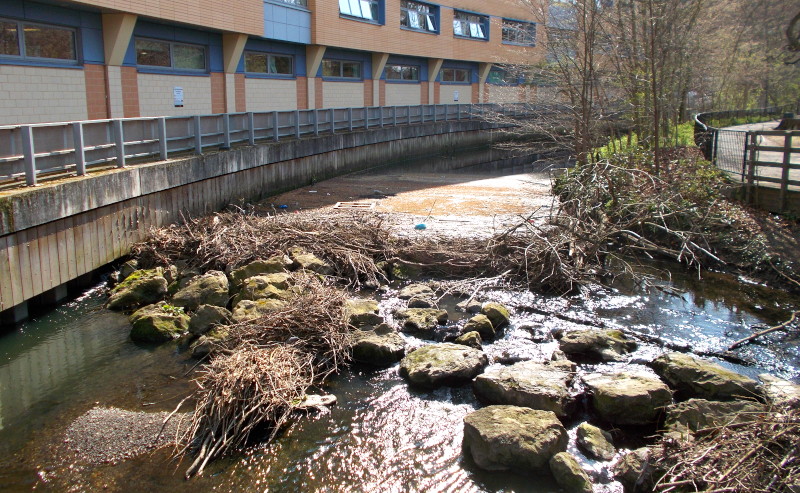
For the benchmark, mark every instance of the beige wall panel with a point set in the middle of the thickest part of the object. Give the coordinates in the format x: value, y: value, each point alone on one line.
x: 38, y: 94
x: 504, y: 94
x: 403, y: 94
x: 244, y: 16
x: 333, y: 30
x: 447, y: 94
x: 156, y: 95
x: 271, y: 94
x: 343, y: 94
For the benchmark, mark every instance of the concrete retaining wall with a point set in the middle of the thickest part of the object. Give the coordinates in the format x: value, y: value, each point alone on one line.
x: 54, y: 234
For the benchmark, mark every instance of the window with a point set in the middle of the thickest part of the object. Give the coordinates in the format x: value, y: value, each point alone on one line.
x: 402, y: 72
x: 471, y: 25
x: 341, y: 69
x: 460, y: 75
x: 419, y: 16
x: 266, y: 63
x: 179, y: 56
x: 519, y: 33
x: 364, y: 9
x: 299, y: 3
x: 39, y: 41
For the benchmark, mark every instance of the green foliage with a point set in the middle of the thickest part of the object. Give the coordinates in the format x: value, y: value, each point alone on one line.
x: 681, y: 135
x: 172, y: 309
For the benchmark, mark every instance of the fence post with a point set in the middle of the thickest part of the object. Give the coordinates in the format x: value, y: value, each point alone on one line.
x: 119, y: 141
x: 787, y: 161
x: 350, y: 118
x: 752, y: 140
x: 226, y: 131
x: 380, y: 113
x: 251, y: 128
x: 80, y: 153
x: 316, y: 121
x: 297, y: 124
x: 163, y: 149
x: 333, y: 120
x: 458, y: 111
x: 30, y: 157
x: 276, y: 126
x: 198, y: 136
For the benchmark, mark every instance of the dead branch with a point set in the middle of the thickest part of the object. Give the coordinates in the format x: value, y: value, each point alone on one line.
x: 770, y: 330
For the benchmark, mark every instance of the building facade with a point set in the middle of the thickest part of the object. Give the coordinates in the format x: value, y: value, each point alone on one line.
x: 96, y: 59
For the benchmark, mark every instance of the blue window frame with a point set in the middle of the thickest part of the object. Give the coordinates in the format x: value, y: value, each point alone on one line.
x: 170, y: 55
x: 268, y: 64
x: 369, y: 10
x: 419, y: 16
x: 405, y: 73
x: 341, y: 69
x: 40, y: 42
x: 469, y: 25
x: 457, y: 75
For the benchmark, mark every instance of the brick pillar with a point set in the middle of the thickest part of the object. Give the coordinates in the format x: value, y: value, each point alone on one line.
x: 130, y: 92
x: 96, y: 95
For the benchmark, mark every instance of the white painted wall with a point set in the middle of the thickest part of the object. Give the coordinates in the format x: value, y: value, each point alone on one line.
x: 41, y: 94
x: 343, y: 94
x: 447, y: 92
x: 270, y: 94
x: 156, y: 96
x: 403, y: 94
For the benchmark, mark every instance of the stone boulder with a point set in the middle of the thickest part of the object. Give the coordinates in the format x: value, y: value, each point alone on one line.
x: 497, y: 314
x: 605, y: 345
x: 471, y: 339
x: 482, y: 325
x: 206, y: 317
x: 360, y: 312
x: 210, y: 288
x: 625, y: 399
x: 421, y: 321
x: 272, y: 265
x: 416, y: 291
x: 527, y: 384
x: 303, y: 260
x: 250, y: 310
x: 378, y: 347
x: 635, y: 471
x: 470, y: 306
x: 569, y: 474
x: 142, y: 287
x: 696, y: 414
x: 695, y: 377
x: 499, y: 438
x: 264, y: 287
x: 435, y: 365
x: 780, y: 392
x: 158, y: 323
x: 208, y: 342
x: 595, y: 443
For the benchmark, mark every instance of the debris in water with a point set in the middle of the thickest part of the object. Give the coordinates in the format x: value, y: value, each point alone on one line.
x: 420, y: 226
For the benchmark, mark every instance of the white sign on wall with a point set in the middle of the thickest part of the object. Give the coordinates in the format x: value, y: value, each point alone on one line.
x: 455, y: 95
x: 177, y: 96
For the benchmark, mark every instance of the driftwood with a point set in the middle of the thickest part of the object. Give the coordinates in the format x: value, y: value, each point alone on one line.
x: 770, y: 330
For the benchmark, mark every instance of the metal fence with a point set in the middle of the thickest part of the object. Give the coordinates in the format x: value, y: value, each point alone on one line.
x: 30, y: 151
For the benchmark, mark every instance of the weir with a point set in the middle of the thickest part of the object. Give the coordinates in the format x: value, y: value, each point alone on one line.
x: 54, y: 237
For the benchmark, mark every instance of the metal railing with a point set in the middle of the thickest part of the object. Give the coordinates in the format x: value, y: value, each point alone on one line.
x: 772, y: 160
x: 30, y: 151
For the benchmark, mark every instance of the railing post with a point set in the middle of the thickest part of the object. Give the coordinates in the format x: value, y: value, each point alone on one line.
x: 316, y: 121
x: 30, y: 157
x: 380, y: 113
x: 80, y: 153
x: 752, y: 140
x: 251, y: 128
x: 350, y: 118
x: 787, y: 161
x: 394, y: 116
x: 198, y: 136
x: 119, y: 141
x: 434, y: 112
x: 297, y: 124
x: 408, y: 115
x: 276, y: 126
x: 226, y: 131
x: 163, y: 148
x: 333, y: 120
x: 458, y: 111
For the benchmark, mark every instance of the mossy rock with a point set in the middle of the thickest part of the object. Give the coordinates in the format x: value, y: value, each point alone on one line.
x: 362, y: 312
x: 595, y: 442
x: 696, y: 377
x: 272, y: 265
x: 158, y: 323
x: 569, y: 474
x: 376, y: 349
x: 142, y: 287
x: 596, y: 344
x: 626, y: 399
x: 422, y: 321
x: 696, y: 414
x: 250, y: 310
x: 471, y: 339
x: 304, y: 260
x: 263, y: 287
x: 206, y: 344
x: 442, y: 364
x: 210, y: 288
x: 207, y: 317
x: 497, y: 314
x: 482, y: 325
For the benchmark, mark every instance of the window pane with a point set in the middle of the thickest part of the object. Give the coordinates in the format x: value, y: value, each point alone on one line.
x: 366, y: 10
x: 429, y: 20
x: 331, y: 68
x: 457, y: 27
x: 281, y: 65
x: 462, y: 75
x: 351, y: 69
x: 255, y: 62
x: 191, y: 57
x: 153, y: 53
x: 9, y: 38
x: 355, y: 8
x: 344, y: 6
x: 49, y: 42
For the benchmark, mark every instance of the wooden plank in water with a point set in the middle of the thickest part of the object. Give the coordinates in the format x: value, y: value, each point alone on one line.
x: 63, y: 253
x: 78, y: 244
x: 25, y: 265
x: 38, y: 269
x: 6, y: 288
x: 52, y: 243
x: 69, y: 241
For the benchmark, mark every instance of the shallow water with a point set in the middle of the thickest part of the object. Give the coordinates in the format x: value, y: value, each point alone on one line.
x: 382, y: 436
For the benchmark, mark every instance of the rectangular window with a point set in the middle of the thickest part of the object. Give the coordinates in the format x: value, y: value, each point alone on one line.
x: 299, y: 3
x: 341, y: 69
x: 471, y: 25
x: 418, y: 16
x: 363, y: 9
x: 37, y: 41
x: 167, y: 54
x: 402, y: 72
x: 267, y: 63
x: 519, y: 33
x: 460, y: 75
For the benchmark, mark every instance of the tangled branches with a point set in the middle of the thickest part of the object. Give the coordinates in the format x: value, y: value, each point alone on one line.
x: 756, y: 456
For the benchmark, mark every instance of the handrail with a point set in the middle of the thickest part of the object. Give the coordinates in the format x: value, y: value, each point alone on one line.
x: 30, y: 150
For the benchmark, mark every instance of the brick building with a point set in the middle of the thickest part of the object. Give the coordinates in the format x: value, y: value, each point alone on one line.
x: 95, y: 59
